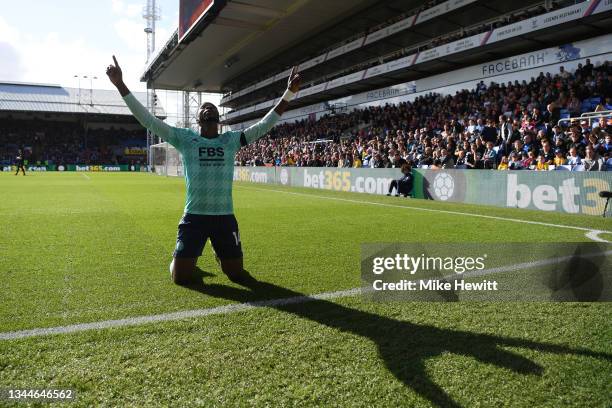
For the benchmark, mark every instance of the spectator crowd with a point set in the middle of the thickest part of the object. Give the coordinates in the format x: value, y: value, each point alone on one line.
x: 496, y: 126
x: 54, y: 142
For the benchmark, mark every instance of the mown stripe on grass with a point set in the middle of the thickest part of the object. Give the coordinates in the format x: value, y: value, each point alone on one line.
x: 591, y: 233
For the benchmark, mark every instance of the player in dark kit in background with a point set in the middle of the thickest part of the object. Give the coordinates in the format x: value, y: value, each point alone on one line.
x: 19, y: 163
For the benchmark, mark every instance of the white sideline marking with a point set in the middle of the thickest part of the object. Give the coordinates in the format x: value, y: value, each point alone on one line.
x: 594, y: 235
x: 524, y: 265
x: 240, y: 307
x: 591, y: 233
x: 86, y: 176
x: 165, y: 317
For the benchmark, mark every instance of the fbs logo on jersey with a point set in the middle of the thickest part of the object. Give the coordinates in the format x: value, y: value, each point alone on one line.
x: 211, y: 153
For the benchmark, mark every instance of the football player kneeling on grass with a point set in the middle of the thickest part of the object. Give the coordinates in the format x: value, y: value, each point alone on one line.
x: 208, y: 159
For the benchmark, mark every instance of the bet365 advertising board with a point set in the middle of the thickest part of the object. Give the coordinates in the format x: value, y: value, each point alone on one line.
x: 79, y: 167
x: 563, y: 191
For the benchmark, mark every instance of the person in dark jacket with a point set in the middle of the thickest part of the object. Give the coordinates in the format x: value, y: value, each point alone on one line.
x: 19, y: 163
x: 403, y: 185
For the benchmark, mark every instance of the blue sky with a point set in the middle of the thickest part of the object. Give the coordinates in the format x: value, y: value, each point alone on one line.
x: 51, y: 41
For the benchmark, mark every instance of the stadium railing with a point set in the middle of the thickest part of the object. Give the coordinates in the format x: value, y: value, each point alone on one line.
x: 596, y: 114
x: 589, y: 116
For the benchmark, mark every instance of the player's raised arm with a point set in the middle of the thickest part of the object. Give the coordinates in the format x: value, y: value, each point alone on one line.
x: 146, y: 119
x: 267, y: 122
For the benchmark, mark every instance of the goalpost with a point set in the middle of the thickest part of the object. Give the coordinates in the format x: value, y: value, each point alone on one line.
x: 166, y: 160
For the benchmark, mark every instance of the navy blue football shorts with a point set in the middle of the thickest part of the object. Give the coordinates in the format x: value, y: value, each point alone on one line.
x: 194, y: 230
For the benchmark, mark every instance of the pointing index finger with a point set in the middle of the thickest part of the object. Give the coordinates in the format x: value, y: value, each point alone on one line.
x: 116, y: 63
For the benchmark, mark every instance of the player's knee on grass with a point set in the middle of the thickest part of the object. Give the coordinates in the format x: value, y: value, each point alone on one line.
x: 234, y: 269
x: 182, y: 270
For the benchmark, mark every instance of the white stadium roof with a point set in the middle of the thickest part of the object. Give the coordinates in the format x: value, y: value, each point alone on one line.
x: 32, y: 97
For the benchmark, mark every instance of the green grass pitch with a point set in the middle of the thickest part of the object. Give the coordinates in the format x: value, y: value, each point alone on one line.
x: 77, y: 248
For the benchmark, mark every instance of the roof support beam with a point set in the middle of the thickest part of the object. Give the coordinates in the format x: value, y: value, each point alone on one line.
x: 230, y: 22
x: 253, y: 9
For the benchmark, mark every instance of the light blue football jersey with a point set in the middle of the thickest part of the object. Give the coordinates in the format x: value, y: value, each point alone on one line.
x: 208, y: 163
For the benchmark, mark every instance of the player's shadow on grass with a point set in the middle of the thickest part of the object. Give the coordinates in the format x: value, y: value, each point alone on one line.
x: 403, y: 346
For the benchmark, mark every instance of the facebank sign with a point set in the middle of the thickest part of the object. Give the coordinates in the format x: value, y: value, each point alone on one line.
x: 568, y: 192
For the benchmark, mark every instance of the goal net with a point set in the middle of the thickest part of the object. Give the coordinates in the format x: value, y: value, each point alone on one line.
x: 166, y: 160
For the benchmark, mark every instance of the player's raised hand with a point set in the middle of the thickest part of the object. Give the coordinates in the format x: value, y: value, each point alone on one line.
x: 294, y: 80
x: 114, y: 73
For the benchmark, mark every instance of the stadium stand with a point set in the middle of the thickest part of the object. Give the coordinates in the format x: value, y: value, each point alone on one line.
x: 55, y: 125
x: 59, y: 125
x: 507, y: 126
x: 258, y: 92
x: 388, y: 53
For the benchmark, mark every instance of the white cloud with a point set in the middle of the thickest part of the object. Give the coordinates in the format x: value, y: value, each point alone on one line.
x: 53, y: 59
x: 132, y: 33
x: 11, y: 68
x: 130, y: 25
x: 129, y: 10
x: 133, y: 10
x: 117, y: 6
x: 8, y: 33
